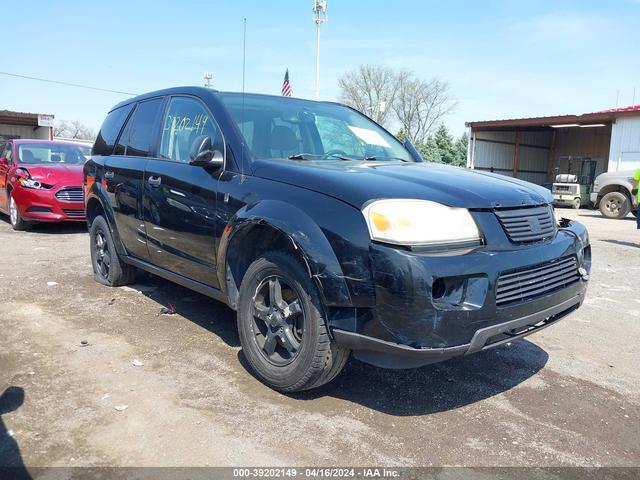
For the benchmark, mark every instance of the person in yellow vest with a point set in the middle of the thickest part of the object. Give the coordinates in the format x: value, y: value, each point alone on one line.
x: 636, y: 181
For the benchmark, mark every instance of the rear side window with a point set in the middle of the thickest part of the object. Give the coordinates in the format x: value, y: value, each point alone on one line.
x: 110, y: 129
x: 141, y: 130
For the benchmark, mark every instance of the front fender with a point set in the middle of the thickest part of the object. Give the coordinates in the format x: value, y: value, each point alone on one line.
x: 305, y: 235
x: 96, y: 192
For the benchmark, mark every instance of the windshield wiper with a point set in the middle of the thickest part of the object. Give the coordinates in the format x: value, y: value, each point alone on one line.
x: 301, y: 156
x: 375, y: 159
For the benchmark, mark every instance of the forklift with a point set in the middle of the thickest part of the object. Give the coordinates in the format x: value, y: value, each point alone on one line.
x: 574, y: 189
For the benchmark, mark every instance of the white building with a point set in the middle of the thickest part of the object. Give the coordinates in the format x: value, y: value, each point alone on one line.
x: 536, y: 149
x: 25, y: 125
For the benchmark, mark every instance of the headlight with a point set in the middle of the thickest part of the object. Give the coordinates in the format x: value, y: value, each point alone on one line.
x: 25, y: 180
x: 419, y: 222
x: 31, y: 183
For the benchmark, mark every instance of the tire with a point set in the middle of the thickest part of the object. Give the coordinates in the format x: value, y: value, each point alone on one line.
x: 17, y: 223
x: 287, y: 345
x: 576, y: 204
x: 108, y: 267
x: 615, y: 205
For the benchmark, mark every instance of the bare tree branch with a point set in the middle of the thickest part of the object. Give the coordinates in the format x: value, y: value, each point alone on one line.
x: 367, y: 89
x: 420, y: 104
x: 74, y: 129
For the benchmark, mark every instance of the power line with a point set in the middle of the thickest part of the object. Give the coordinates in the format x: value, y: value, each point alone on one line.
x: 68, y: 84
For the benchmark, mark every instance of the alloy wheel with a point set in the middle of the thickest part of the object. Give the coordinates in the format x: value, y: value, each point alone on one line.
x: 614, y: 205
x: 103, y: 256
x: 13, y: 211
x: 278, y: 320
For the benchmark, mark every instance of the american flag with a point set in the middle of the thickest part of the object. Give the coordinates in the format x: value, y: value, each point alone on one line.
x: 286, y: 86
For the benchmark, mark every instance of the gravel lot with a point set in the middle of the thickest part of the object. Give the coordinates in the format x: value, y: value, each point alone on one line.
x: 569, y: 395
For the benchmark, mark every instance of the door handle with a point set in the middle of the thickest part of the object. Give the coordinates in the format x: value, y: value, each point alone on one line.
x: 154, y: 181
x: 108, y: 175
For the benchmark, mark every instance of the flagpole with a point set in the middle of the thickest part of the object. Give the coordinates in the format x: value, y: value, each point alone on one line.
x: 320, y: 17
x: 317, y: 61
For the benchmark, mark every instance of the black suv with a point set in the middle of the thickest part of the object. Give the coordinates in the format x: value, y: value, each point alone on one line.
x: 325, y: 233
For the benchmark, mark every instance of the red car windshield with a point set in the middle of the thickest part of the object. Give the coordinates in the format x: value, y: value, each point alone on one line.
x: 54, y: 154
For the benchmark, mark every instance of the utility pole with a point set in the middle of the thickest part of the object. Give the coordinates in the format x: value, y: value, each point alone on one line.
x: 319, y: 17
x: 207, y: 79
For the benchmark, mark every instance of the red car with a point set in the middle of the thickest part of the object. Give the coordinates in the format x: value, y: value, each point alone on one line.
x: 41, y: 181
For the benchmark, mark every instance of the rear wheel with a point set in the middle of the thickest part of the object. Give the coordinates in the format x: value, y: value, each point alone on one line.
x: 283, y: 330
x: 108, y: 267
x: 615, y: 205
x: 576, y: 203
x: 17, y: 223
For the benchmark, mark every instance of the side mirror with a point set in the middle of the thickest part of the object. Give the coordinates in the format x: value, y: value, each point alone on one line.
x: 203, y: 154
x: 4, y: 162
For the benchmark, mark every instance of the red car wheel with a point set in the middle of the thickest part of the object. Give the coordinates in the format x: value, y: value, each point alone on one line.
x: 14, y: 215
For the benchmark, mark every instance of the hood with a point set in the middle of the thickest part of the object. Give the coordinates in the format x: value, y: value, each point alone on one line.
x: 55, y: 174
x: 357, y: 183
x: 626, y: 174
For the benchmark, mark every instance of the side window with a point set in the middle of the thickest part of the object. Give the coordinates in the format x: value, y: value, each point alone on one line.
x: 8, y: 153
x: 142, y: 131
x: 109, y: 131
x: 123, y: 139
x: 186, y: 119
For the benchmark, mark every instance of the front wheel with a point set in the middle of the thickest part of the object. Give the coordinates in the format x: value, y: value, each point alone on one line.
x: 282, y: 327
x: 576, y: 203
x: 108, y: 267
x: 17, y: 223
x: 615, y: 205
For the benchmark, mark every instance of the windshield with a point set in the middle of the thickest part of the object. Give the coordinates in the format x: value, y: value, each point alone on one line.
x: 275, y: 127
x: 52, y: 153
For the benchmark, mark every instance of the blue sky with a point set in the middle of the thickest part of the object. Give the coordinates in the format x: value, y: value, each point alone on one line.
x: 503, y: 59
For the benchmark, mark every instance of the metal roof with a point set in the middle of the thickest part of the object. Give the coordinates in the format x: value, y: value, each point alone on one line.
x: 603, y: 116
x: 630, y: 108
x: 19, y: 118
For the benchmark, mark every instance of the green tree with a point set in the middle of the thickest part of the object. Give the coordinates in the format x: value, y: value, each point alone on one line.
x: 429, y: 151
x: 445, y: 145
x: 461, y: 150
x: 441, y: 147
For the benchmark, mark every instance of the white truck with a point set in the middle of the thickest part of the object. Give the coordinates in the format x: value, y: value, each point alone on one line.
x: 612, y: 194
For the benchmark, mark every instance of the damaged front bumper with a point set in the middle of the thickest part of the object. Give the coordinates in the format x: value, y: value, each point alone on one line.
x: 430, y: 307
x: 393, y: 355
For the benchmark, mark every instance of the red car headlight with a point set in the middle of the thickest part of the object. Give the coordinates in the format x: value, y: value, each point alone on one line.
x: 25, y: 180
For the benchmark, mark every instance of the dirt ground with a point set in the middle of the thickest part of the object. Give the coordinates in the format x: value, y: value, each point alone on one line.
x: 569, y: 395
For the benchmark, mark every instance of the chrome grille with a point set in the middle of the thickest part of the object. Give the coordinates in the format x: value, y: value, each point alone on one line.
x: 535, y: 281
x: 74, y: 213
x: 70, y: 194
x: 524, y: 225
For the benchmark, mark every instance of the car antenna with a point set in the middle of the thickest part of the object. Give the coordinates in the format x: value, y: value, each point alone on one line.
x: 244, y: 68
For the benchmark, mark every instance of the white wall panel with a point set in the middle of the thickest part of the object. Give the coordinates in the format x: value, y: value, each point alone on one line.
x: 496, y: 155
x: 498, y: 136
x: 12, y: 131
x: 534, y: 159
x: 537, y: 178
x: 624, y: 153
